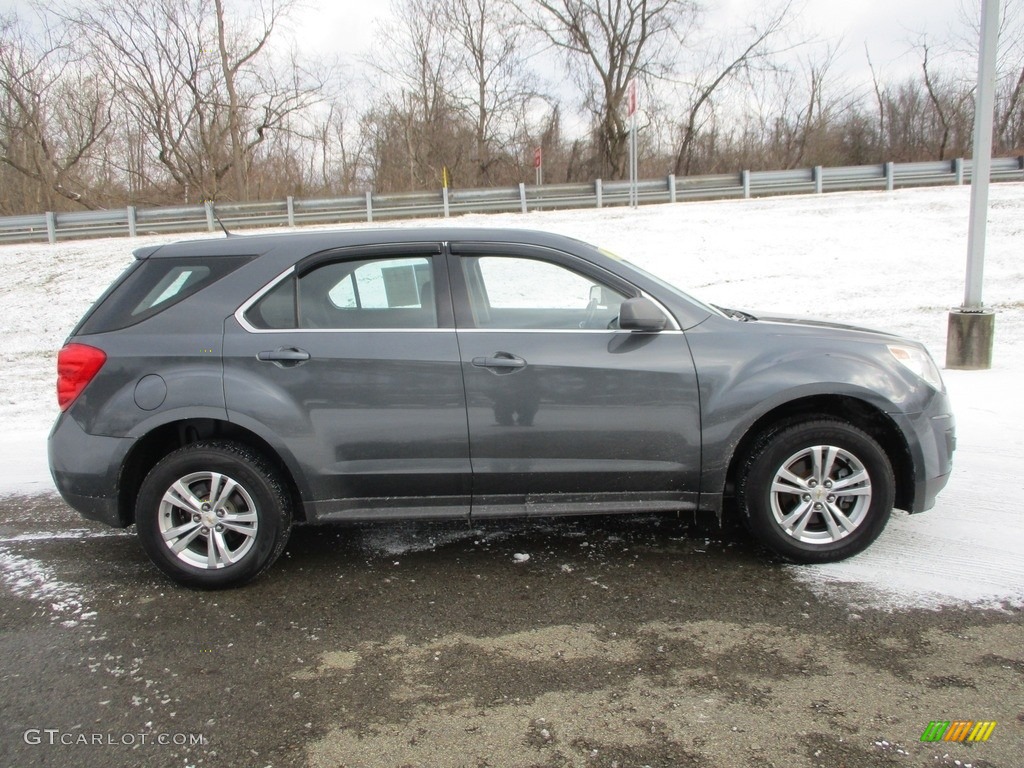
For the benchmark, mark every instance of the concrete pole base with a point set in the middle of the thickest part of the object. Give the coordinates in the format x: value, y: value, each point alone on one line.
x: 969, y: 339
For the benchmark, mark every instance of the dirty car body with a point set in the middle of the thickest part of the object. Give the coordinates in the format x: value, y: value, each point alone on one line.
x: 222, y: 390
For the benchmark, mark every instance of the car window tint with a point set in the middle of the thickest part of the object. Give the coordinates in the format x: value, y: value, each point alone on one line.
x: 378, y: 293
x: 153, y: 285
x: 374, y: 293
x: 276, y: 309
x: 516, y: 292
x: 172, y: 284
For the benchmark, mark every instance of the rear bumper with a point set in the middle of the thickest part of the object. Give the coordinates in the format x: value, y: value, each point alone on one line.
x: 86, y: 470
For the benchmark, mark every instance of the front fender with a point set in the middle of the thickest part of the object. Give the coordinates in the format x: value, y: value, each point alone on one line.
x: 745, y: 373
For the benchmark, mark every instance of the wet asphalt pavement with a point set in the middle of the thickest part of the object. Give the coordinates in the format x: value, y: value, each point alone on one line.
x: 619, y: 642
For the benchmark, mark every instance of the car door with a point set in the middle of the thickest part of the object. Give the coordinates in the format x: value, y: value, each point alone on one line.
x: 566, y: 412
x: 350, y: 361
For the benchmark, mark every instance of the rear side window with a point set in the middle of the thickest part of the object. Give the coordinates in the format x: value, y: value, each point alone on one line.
x: 387, y: 293
x: 153, y: 286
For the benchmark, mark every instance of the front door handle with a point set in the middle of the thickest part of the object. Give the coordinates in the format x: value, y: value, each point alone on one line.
x: 284, y: 356
x: 500, y: 361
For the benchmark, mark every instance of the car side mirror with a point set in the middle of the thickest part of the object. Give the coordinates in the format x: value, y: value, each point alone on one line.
x: 641, y: 314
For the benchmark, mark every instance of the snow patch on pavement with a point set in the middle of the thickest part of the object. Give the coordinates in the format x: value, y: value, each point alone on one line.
x: 29, y: 578
x: 23, y: 458
x: 74, y: 534
x: 406, y: 539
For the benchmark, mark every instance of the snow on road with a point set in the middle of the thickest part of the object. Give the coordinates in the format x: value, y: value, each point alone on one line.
x: 887, y: 260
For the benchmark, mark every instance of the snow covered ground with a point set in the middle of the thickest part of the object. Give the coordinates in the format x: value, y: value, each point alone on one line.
x: 887, y: 260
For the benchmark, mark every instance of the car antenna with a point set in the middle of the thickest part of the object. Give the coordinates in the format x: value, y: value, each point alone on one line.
x: 213, y: 210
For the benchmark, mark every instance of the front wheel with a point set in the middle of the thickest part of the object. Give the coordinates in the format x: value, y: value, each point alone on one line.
x: 213, y: 514
x: 816, y: 491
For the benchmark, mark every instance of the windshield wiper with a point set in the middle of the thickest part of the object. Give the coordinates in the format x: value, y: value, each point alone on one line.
x: 735, y: 314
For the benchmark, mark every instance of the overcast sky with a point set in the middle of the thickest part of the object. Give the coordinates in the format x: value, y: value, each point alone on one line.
x: 346, y: 27
x: 887, y: 26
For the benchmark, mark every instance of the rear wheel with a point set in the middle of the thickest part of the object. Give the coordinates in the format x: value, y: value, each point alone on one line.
x: 816, y: 491
x: 213, y: 514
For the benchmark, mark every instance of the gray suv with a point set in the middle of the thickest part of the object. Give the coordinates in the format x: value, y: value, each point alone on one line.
x: 222, y: 390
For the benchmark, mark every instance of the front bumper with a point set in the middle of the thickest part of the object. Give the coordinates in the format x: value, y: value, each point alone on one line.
x: 931, y: 439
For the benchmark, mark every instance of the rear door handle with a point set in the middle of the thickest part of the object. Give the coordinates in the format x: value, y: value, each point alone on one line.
x: 501, y: 361
x: 284, y: 356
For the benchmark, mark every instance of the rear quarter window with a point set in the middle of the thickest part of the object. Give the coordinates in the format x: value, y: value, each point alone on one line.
x: 147, y: 289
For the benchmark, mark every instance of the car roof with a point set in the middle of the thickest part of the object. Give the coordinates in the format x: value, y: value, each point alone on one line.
x: 318, y: 240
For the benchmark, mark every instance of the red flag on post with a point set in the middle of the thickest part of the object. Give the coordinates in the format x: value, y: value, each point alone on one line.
x: 632, y: 99
x: 537, y: 157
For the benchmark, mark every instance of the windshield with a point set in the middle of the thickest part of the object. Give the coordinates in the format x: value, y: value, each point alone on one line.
x: 663, y: 283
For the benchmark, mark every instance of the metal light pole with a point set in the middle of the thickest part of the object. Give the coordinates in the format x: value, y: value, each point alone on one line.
x: 971, y: 326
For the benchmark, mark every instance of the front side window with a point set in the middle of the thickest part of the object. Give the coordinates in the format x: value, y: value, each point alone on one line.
x: 395, y: 292
x: 517, y: 292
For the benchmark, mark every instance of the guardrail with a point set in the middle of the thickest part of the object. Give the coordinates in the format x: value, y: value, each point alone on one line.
x: 133, y: 221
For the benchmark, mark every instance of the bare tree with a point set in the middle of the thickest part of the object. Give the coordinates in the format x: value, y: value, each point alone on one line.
x: 490, y: 77
x: 53, y: 115
x: 336, y: 155
x: 1010, y: 101
x: 608, y: 43
x: 878, y: 92
x: 232, y: 60
x: 716, y: 67
x: 204, y: 110
x: 819, y: 111
x: 413, y: 123
x: 938, y: 102
x: 793, y: 109
x: 1009, y: 106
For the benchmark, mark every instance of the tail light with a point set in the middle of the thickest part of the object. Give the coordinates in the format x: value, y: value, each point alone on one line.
x: 77, y: 364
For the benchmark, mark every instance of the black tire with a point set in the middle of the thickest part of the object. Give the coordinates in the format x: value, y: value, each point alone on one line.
x: 816, y: 491
x: 217, y: 546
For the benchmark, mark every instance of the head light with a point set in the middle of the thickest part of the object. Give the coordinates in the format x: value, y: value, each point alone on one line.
x: 919, y: 362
